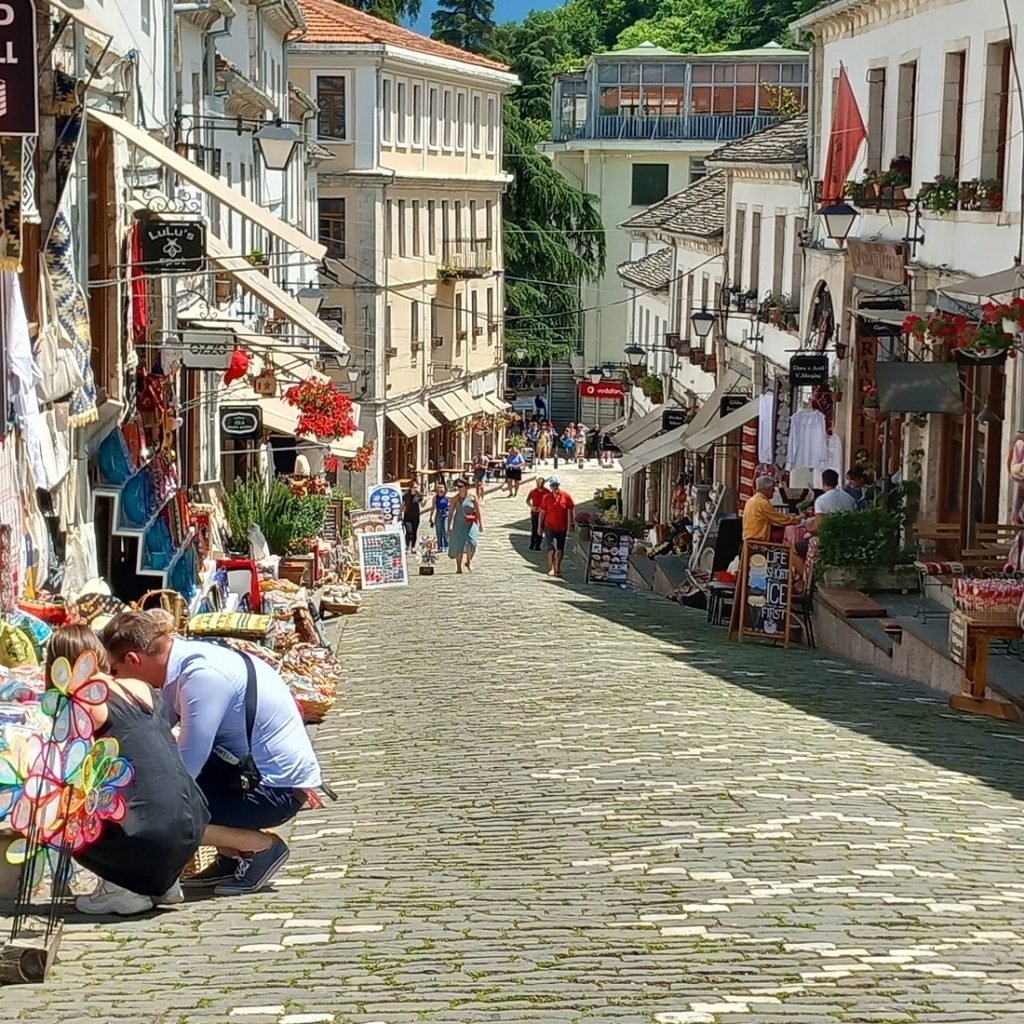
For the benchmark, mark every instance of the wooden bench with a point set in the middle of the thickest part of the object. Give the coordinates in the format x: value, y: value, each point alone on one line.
x: 851, y: 604
x: 932, y: 568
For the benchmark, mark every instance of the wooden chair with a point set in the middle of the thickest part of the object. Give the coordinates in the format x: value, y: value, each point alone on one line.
x: 992, y: 545
x: 932, y: 569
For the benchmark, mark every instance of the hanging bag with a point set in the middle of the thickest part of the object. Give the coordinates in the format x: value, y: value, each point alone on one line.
x: 58, y: 364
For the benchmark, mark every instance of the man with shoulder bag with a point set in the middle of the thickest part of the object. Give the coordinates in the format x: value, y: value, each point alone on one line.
x: 241, y: 738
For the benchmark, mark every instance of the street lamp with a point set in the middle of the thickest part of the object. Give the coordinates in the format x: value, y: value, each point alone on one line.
x: 702, y: 322
x: 277, y: 144
x: 596, y: 374
x: 838, y: 218
x: 311, y: 298
x: 635, y: 355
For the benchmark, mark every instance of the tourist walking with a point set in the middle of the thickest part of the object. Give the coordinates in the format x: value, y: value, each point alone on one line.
x: 535, y: 501
x: 581, y: 443
x: 412, y: 506
x: 208, y: 687
x: 139, y: 858
x: 439, y: 516
x: 514, y: 463
x: 480, y: 466
x: 569, y: 441
x: 465, y: 524
x: 544, y: 442
x: 557, y: 521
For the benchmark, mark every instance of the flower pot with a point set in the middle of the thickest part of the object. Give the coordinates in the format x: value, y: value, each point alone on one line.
x: 711, y: 363
x: 426, y: 570
x: 697, y: 356
x: 1011, y: 327
x: 872, y: 412
x: 980, y: 357
x: 837, y: 397
x: 841, y: 349
x: 774, y: 316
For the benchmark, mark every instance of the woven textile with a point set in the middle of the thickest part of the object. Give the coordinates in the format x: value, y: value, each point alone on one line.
x: 11, y: 164
x: 29, y: 209
x: 783, y: 411
x: 748, y: 461
x: 72, y: 309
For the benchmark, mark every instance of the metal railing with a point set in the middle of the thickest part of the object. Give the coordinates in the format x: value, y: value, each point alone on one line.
x: 466, y: 258
x: 710, y: 127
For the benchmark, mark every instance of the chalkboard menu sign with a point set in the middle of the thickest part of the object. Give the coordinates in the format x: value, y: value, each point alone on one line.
x: 608, y: 559
x: 958, y: 638
x: 765, y: 591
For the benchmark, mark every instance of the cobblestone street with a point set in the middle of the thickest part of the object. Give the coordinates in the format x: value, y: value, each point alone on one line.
x: 580, y: 804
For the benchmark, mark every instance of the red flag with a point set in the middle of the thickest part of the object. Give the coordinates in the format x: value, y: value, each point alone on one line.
x: 848, y: 132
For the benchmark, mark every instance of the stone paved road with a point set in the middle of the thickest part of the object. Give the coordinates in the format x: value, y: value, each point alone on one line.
x: 580, y: 805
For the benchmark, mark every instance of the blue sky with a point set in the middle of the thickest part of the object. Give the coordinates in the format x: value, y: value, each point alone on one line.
x: 504, y: 10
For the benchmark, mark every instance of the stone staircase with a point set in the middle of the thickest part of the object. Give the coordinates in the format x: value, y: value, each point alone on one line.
x: 564, y: 392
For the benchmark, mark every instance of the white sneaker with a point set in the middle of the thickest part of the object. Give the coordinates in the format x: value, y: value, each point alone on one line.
x: 108, y: 898
x: 171, y: 898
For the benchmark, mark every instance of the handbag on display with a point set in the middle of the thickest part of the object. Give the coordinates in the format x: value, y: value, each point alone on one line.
x: 58, y: 364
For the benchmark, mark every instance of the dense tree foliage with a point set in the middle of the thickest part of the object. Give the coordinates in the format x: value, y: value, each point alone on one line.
x: 394, y: 11
x: 467, y: 24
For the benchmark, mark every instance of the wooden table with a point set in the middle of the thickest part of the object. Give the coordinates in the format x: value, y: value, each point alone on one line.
x: 969, y: 647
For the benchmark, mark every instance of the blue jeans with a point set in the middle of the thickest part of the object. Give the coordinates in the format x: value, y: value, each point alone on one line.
x: 441, y: 525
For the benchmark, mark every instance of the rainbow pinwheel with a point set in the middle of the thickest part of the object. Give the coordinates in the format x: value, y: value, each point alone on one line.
x: 75, y: 691
x: 94, y: 796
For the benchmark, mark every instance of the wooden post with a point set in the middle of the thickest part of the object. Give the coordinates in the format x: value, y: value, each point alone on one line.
x: 47, y: 126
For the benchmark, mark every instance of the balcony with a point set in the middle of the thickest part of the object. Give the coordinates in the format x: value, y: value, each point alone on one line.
x: 698, y: 127
x: 466, y: 258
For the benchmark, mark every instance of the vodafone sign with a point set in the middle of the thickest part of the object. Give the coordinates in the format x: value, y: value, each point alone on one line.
x: 610, y: 390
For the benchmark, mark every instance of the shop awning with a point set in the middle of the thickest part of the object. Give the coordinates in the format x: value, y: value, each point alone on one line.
x: 701, y: 439
x: 401, y: 419
x: 258, y: 284
x: 643, y: 429
x: 493, y: 404
x: 421, y: 415
x: 84, y: 18
x: 978, y: 289
x: 918, y: 387
x: 454, y: 405
x: 895, y: 317
x: 212, y: 186
x: 672, y: 441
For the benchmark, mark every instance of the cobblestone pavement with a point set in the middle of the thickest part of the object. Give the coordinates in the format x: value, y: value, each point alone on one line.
x: 575, y: 804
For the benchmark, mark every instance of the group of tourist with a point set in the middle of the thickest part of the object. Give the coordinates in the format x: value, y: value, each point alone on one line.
x: 219, y: 757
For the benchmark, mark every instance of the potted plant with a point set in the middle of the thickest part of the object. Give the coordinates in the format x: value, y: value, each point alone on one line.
x: 1009, y: 314
x: 983, y: 343
x: 940, y: 195
x: 257, y: 258
x: 870, y: 401
x: 862, y: 550
x: 750, y: 301
x: 711, y: 363
x: 836, y: 386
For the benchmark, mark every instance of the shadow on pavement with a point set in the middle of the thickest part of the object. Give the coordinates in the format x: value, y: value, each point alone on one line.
x: 893, y: 711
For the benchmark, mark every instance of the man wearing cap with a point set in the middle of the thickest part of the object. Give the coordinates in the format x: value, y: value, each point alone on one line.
x: 557, y: 519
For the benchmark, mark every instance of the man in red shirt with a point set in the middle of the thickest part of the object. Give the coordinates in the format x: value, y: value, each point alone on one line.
x: 557, y: 518
x: 535, y: 500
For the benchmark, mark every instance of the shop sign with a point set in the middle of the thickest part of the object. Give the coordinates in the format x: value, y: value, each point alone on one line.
x: 367, y: 520
x: 609, y: 390
x: 202, y: 350
x: 241, y: 422
x: 19, y: 81
x: 730, y: 403
x: 958, y: 639
x: 879, y: 261
x: 265, y: 383
x: 173, y: 247
x: 765, y: 591
x: 608, y: 558
x: 808, y: 371
x: 864, y: 430
x: 673, y: 419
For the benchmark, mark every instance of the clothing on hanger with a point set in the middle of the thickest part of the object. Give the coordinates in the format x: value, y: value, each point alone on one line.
x: 766, y: 428
x: 808, y: 440
x: 833, y: 459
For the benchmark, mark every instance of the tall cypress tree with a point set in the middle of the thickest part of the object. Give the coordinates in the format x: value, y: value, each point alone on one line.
x: 467, y: 24
x: 394, y: 11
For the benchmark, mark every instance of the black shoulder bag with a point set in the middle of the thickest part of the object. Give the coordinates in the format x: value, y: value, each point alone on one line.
x: 241, y: 775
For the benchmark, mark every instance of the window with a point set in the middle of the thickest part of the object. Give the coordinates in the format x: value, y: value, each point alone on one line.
x: 416, y: 246
x: 146, y: 16
x: 689, y: 311
x: 388, y: 214
x: 490, y: 308
x: 697, y: 170
x: 435, y: 331
x: 387, y: 326
x: 385, y: 109
x: 402, y: 114
x: 230, y: 182
x: 446, y: 117
x: 996, y: 114
x: 779, y: 254
x: 417, y: 115
x: 460, y: 325
x: 432, y: 115
x: 799, y: 226
x: 492, y: 124
x: 650, y: 183
x: 332, y: 226
x: 414, y: 323
x: 401, y: 228
x: 755, y: 252
x: 330, y: 100
x: 477, y: 124
x: 474, y: 296
x: 472, y: 220
x: 431, y: 227
x: 876, y: 118
x: 446, y: 235
x: 737, y: 251
x: 906, y: 109
x: 489, y: 237
x: 458, y: 235
x: 460, y: 120
x: 952, y: 129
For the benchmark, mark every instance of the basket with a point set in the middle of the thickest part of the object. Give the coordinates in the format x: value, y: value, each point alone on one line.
x: 169, y: 601
x: 314, y: 711
x: 295, y: 570
x: 1007, y: 617
x: 201, y: 860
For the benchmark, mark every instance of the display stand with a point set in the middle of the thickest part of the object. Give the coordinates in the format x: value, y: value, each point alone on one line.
x: 969, y: 640
x: 705, y: 529
x: 764, y: 593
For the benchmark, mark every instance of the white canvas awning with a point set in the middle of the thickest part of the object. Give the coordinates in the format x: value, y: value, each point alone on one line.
x: 977, y: 289
x: 212, y: 186
x: 641, y: 429
x: 701, y: 439
x: 494, y: 404
x: 454, y: 405
x: 401, y: 419
x: 258, y: 284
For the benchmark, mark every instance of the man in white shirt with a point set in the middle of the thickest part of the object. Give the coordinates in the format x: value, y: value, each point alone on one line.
x: 205, y: 685
x: 833, y: 499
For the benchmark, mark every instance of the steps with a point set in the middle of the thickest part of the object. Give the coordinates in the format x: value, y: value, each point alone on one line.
x: 564, y: 400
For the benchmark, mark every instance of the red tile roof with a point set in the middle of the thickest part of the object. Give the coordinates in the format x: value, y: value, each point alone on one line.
x: 330, y: 21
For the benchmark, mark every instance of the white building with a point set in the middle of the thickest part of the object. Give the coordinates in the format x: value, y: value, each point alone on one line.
x: 410, y: 212
x: 636, y: 126
x: 936, y: 88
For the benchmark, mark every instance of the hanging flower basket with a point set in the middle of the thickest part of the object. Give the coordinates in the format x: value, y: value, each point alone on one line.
x: 324, y: 411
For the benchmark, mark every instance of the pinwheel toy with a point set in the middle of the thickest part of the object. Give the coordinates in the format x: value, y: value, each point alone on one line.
x: 94, y: 796
x: 75, y: 691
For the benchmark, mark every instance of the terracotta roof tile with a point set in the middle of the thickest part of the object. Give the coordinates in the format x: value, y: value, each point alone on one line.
x: 330, y: 21
x: 652, y: 271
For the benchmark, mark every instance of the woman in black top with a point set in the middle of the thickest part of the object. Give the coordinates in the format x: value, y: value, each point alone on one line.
x: 412, y: 505
x: 140, y: 858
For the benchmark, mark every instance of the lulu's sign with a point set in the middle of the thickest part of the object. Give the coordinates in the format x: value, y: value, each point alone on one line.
x: 879, y: 261
x: 609, y: 390
x: 19, y: 82
x: 173, y: 247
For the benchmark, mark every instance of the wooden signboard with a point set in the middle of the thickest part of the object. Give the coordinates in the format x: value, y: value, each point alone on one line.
x: 367, y: 520
x: 764, y: 591
x: 958, y: 638
x: 608, y: 558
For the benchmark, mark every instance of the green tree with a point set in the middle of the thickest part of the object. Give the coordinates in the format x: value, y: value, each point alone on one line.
x: 394, y: 11
x: 554, y: 240
x: 690, y: 26
x: 467, y: 24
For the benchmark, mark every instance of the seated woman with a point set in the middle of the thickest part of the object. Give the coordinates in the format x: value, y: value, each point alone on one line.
x: 138, y: 859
